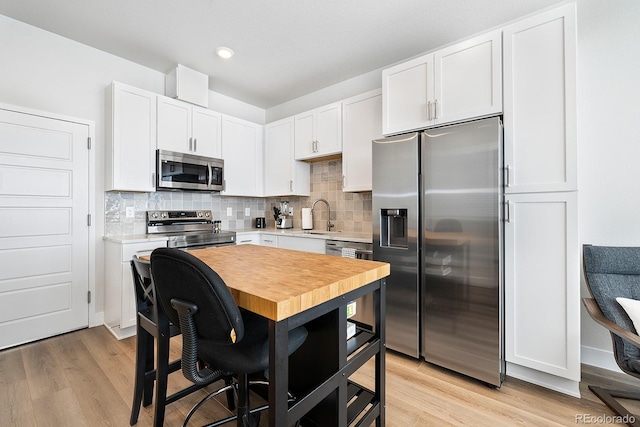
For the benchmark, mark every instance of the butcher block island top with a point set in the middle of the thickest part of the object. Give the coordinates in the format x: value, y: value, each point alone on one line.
x: 279, y: 283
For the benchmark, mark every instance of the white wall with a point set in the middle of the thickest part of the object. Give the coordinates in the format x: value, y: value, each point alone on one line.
x: 355, y: 86
x: 608, y: 138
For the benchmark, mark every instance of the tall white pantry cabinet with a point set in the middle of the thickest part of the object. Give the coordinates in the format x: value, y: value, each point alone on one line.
x: 542, y: 253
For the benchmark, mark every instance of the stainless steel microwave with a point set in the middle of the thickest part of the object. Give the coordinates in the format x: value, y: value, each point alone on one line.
x: 180, y: 171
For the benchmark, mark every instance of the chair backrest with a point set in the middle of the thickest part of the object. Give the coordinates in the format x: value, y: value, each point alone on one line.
x: 179, y: 275
x: 145, y: 293
x: 612, y: 272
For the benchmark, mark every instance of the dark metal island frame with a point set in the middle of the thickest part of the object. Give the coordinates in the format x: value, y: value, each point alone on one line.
x: 292, y: 288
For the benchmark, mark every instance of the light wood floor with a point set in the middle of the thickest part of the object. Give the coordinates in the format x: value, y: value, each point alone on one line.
x: 84, y: 378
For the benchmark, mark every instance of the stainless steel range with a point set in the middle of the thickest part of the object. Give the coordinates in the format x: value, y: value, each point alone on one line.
x: 189, y: 229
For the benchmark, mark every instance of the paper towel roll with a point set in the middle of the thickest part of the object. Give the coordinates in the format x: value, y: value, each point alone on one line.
x: 307, y: 219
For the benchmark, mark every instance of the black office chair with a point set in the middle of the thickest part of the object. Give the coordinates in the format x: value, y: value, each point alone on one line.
x: 213, y: 327
x: 153, y: 325
x: 612, y: 272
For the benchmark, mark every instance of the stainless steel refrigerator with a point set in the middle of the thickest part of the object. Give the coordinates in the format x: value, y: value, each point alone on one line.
x: 437, y: 219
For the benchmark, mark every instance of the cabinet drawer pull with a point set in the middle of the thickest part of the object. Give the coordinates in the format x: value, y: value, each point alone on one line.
x: 508, y: 209
x: 507, y: 179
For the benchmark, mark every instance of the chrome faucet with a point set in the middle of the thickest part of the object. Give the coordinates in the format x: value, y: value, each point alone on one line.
x: 329, y: 225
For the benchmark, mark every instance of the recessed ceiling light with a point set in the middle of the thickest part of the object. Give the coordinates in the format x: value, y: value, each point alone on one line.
x: 224, y: 52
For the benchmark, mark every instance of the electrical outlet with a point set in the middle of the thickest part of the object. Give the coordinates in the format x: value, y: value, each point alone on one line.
x: 229, y: 212
x: 130, y: 212
x: 290, y: 211
x: 247, y: 211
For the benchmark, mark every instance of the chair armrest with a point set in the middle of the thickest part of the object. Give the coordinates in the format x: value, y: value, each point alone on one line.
x: 596, y: 314
x: 190, y: 366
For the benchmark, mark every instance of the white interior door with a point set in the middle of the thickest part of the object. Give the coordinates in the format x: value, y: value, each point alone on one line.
x: 44, y: 236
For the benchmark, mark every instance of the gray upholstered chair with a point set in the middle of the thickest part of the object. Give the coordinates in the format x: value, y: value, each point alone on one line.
x: 612, y: 272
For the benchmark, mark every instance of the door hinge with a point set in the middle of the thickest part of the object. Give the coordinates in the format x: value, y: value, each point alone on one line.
x: 88, y: 143
x: 89, y: 220
x: 89, y: 297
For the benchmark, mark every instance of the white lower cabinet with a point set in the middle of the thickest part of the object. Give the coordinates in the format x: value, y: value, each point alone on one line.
x: 542, y: 289
x: 269, y: 240
x: 306, y: 244
x: 120, y: 301
x: 247, y: 239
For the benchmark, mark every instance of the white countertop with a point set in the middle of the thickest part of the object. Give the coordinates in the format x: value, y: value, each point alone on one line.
x: 347, y: 236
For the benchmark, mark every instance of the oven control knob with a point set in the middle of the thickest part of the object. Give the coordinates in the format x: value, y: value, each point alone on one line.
x: 154, y: 215
x: 199, y: 214
x: 206, y: 214
x: 163, y: 214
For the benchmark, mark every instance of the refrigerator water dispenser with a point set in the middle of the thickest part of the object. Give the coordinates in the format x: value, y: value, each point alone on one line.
x: 393, y: 228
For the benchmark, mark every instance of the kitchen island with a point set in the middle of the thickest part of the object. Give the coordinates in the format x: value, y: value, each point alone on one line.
x: 291, y: 288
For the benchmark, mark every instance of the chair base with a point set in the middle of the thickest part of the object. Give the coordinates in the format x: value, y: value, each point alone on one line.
x: 245, y: 417
x: 608, y: 397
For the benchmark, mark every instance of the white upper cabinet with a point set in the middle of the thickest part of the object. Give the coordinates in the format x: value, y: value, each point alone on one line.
x: 242, y: 154
x: 318, y: 133
x: 540, y: 103
x: 459, y: 82
x: 361, y: 124
x: 206, y: 131
x: 131, y: 139
x: 282, y: 174
x: 187, y: 128
x: 407, y: 94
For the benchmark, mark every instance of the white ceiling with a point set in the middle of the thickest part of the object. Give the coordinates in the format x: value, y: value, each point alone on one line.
x: 284, y: 48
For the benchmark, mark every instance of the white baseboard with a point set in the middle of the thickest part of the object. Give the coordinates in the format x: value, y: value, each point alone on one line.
x: 599, y: 358
x: 552, y: 382
x: 97, y: 319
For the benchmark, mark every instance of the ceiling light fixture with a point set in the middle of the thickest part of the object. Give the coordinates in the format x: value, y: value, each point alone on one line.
x: 224, y: 52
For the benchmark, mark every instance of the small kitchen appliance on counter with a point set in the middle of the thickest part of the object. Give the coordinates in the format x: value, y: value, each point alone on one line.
x: 283, y: 216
